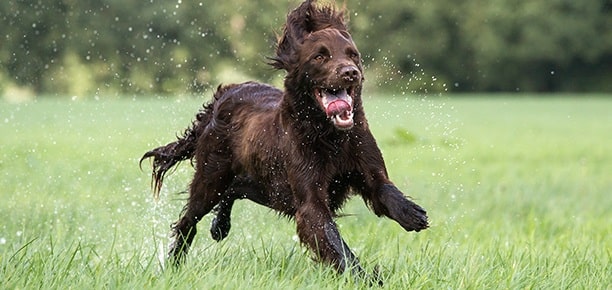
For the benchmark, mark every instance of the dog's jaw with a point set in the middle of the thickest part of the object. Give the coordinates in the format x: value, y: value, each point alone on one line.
x: 337, y: 105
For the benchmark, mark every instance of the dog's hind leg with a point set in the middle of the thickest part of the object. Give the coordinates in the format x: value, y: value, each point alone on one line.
x: 221, y: 224
x: 241, y: 187
x: 210, y: 180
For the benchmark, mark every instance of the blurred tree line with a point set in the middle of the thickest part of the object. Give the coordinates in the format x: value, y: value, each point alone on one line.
x: 98, y: 47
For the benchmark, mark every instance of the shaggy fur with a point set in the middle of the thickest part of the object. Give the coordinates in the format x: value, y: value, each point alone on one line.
x: 301, y: 151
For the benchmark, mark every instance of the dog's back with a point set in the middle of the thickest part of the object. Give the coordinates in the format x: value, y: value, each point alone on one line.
x: 247, y: 116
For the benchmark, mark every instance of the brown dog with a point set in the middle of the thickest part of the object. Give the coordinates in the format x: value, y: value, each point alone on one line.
x: 301, y: 151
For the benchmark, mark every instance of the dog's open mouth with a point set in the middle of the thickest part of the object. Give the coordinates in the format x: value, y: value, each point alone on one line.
x: 338, y: 106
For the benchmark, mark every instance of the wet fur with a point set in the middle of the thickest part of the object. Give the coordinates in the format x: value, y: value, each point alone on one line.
x: 278, y: 148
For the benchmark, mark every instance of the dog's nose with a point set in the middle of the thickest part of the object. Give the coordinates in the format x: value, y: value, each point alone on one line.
x: 350, y: 73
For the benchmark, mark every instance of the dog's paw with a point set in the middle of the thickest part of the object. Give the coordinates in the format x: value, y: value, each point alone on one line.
x: 412, y: 217
x: 408, y: 214
x: 176, y: 253
x: 367, y: 279
x: 219, y: 228
x: 376, y: 278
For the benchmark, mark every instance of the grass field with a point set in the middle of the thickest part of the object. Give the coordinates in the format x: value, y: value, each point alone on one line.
x: 518, y: 190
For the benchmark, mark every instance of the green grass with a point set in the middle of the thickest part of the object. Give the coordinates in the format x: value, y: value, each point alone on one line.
x: 518, y: 190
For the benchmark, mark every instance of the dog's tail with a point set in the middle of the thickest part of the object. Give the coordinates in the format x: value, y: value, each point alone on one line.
x: 166, y: 157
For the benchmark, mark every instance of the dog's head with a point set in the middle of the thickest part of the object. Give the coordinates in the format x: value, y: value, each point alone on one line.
x: 322, y: 61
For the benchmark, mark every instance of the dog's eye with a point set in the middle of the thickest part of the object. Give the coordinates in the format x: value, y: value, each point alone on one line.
x: 319, y: 57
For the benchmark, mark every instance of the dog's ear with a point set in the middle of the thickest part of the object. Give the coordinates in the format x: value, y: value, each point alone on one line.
x: 308, y: 18
x: 303, y: 20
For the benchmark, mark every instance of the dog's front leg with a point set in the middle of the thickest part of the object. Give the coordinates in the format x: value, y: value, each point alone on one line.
x: 316, y: 229
x: 391, y: 202
x: 378, y: 191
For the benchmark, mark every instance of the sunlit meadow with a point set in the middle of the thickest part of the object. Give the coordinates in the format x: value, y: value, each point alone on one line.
x: 518, y: 190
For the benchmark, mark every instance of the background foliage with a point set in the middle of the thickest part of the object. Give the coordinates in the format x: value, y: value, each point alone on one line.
x: 89, y: 47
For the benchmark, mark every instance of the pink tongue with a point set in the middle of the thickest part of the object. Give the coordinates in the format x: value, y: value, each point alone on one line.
x: 337, y: 107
